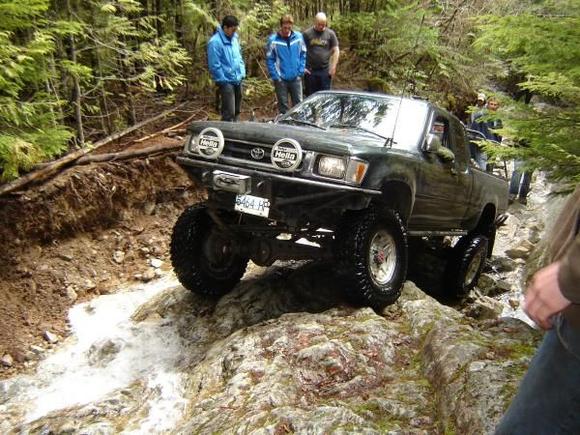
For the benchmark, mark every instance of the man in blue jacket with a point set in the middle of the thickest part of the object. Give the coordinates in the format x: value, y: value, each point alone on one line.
x: 286, y: 58
x: 226, y: 66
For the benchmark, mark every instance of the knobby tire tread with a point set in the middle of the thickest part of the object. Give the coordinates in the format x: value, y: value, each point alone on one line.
x: 463, y: 252
x: 187, y: 255
x: 353, y: 234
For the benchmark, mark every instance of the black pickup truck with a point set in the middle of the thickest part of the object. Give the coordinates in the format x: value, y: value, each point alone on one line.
x: 350, y: 177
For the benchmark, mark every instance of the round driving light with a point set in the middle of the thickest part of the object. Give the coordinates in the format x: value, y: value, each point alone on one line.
x: 210, y: 143
x: 286, y: 154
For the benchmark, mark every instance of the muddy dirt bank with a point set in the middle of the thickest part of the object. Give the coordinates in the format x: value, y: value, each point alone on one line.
x: 77, y: 236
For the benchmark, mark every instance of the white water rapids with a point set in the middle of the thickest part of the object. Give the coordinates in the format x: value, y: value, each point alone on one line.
x: 148, y: 350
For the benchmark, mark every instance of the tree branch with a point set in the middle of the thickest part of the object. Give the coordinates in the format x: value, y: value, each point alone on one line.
x: 69, y: 159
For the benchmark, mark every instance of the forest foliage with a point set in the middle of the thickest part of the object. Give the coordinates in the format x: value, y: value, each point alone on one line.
x: 74, y: 71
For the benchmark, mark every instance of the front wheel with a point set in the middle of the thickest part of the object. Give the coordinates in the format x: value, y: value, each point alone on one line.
x: 203, y: 256
x: 371, y: 250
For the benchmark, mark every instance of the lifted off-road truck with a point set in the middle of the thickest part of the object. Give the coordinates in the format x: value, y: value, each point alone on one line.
x: 349, y: 177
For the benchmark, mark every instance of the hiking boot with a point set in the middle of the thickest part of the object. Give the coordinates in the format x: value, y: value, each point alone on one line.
x: 523, y: 201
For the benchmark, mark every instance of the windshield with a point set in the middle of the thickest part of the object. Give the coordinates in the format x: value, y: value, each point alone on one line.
x: 365, y: 115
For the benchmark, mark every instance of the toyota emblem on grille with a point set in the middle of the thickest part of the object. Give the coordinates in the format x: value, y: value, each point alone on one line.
x: 257, y: 153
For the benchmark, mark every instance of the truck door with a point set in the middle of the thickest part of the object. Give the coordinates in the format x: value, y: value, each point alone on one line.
x: 464, y: 175
x: 442, y: 190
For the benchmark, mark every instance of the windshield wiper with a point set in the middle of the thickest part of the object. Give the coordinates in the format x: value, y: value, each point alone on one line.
x: 388, y: 140
x: 300, y: 121
x: 356, y: 127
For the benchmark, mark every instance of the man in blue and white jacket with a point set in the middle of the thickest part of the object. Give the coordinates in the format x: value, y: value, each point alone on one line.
x: 286, y: 58
x: 224, y: 58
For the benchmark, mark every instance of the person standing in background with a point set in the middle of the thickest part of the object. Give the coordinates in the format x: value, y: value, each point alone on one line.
x: 322, y: 55
x: 224, y: 58
x: 520, y: 182
x: 479, y: 107
x: 286, y: 59
x: 486, y: 127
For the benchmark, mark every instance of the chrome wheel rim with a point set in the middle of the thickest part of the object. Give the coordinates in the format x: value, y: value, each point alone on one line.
x: 382, y: 257
x: 473, y: 267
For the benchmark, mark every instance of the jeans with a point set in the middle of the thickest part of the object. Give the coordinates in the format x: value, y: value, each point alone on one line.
x: 481, y: 159
x: 548, y: 399
x: 317, y: 80
x: 520, y: 181
x: 477, y: 154
x: 285, y: 87
x: 231, y: 96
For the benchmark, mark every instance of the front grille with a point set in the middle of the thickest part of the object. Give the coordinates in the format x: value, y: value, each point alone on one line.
x: 239, y: 152
x: 243, y: 150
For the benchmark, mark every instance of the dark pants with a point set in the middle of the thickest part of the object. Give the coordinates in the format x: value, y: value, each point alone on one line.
x: 548, y: 399
x: 317, y: 80
x: 231, y: 96
x: 285, y: 87
x: 520, y: 181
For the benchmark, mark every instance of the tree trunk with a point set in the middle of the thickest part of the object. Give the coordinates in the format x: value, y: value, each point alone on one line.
x: 76, y: 96
x: 106, y: 123
x: 179, y: 34
x: 159, y: 30
x: 76, y: 91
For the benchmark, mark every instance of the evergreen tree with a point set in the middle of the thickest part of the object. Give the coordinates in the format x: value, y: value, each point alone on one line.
x: 540, y: 47
x: 30, y: 110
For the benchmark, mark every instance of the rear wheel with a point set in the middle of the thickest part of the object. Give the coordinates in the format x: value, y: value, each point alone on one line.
x: 371, y: 250
x: 465, y: 265
x: 203, y: 256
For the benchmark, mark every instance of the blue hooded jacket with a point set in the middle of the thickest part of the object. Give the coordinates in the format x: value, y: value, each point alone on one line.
x: 224, y: 58
x: 286, y: 58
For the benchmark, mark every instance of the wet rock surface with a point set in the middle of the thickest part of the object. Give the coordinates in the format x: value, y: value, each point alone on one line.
x: 283, y: 352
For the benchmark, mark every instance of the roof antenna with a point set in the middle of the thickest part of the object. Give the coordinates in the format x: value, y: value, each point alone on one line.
x: 390, y: 141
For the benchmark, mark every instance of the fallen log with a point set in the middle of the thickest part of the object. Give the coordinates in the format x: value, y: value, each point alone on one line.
x: 124, y: 155
x: 168, y: 129
x: 137, y: 126
x: 57, y: 165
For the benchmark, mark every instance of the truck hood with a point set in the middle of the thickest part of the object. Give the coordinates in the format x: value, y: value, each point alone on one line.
x: 333, y: 141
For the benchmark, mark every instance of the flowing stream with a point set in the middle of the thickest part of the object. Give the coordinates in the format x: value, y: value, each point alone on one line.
x: 106, y: 351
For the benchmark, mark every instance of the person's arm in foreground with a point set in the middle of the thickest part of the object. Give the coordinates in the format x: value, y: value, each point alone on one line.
x: 554, y: 287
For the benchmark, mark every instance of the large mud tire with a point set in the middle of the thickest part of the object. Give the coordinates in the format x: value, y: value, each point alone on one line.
x: 203, y: 256
x: 465, y: 265
x: 371, y: 251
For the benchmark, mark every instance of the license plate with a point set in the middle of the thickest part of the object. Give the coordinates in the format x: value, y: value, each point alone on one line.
x: 253, y: 205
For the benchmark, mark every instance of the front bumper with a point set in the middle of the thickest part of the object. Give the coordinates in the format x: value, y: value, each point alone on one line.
x: 292, y: 199
x: 263, y: 175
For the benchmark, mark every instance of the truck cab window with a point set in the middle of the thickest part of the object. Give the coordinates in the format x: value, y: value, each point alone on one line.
x: 440, y: 127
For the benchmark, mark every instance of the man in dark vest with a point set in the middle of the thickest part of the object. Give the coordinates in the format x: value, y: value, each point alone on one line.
x: 321, y: 57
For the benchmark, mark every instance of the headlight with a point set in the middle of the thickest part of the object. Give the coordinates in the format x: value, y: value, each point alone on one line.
x: 190, y: 144
x: 356, y: 171
x: 331, y: 167
x: 209, y: 143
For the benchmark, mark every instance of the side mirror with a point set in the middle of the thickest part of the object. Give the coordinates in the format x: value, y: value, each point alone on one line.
x: 433, y: 143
